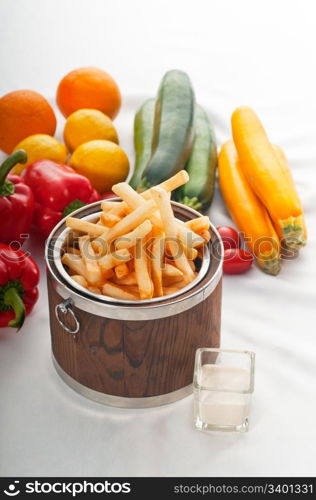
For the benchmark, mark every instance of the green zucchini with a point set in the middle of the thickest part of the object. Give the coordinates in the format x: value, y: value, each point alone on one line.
x: 201, y: 166
x: 173, y: 128
x: 143, y: 132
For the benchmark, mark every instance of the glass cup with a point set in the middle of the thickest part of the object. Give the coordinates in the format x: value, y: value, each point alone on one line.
x: 223, y: 384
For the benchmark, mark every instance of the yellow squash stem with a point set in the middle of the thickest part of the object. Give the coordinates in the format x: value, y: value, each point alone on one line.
x: 284, y: 164
x: 268, y: 178
x: 247, y: 211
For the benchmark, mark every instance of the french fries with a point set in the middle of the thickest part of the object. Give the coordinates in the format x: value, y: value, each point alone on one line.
x: 117, y: 292
x: 75, y: 263
x: 128, y: 194
x: 94, y: 289
x: 89, y: 258
x: 133, y: 199
x: 109, y: 219
x: 137, y: 250
x: 129, y: 279
x: 80, y: 280
x: 157, y: 251
x: 169, y: 223
x: 190, y: 252
x: 170, y: 271
x: 114, y: 207
x: 198, y: 224
x: 90, y: 228
x: 121, y: 270
x: 187, y: 236
x: 206, y: 235
x: 72, y: 250
x: 128, y: 223
x: 145, y: 285
x: 129, y: 240
x: 111, y: 260
x: 170, y: 184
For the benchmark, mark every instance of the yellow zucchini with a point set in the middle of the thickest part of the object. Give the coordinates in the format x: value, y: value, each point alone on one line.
x: 268, y: 177
x: 284, y: 164
x: 247, y: 211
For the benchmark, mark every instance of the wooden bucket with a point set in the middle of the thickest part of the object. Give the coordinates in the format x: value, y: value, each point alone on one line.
x: 132, y: 355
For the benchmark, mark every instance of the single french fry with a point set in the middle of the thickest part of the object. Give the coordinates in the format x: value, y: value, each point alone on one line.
x: 121, y: 270
x: 128, y: 194
x: 198, y: 224
x: 178, y: 285
x: 99, y: 245
x: 169, y: 185
x: 89, y: 258
x: 166, y: 213
x: 156, y: 261
x: 94, y: 289
x: 177, y: 180
x: 181, y: 261
x: 206, y: 235
x: 129, y: 240
x: 75, y: 263
x: 80, y: 280
x: 114, y: 259
x: 132, y: 289
x: 171, y: 281
x: 114, y: 207
x: 130, y: 279
x: 134, y: 199
x: 90, y: 228
x: 167, y: 290
x: 108, y: 219
x: 108, y: 204
x: 169, y: 223
x: 169, y: 271
x: 190, y: 252
x: 117, y: 292
x: 188, y: 237
x: 72, y: 250
x: 125, y: 225
x: 144, y: 282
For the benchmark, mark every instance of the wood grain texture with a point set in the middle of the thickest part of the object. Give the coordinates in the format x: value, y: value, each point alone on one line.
x: 135, y: 358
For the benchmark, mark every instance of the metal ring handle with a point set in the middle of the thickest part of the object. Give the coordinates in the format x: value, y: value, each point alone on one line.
x: 65, y: 308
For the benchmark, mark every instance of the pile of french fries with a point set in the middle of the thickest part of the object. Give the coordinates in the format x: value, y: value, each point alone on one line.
x: 137, y: 249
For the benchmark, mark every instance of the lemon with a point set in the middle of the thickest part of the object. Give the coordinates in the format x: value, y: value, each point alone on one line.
x: 40, y: 147
x: 87, y: 125
x: 104, y: 163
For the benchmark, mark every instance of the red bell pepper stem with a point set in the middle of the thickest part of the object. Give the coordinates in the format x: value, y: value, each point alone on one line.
x: 18, y: 156
x: 12, y: 298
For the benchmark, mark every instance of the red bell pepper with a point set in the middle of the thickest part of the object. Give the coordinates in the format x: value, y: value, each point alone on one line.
x: 19, y: 277
x: 58, y: 190
x: 16, y: 202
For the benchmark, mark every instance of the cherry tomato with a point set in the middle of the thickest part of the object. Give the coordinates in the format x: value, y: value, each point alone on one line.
x: 237, y: 261
x: 229, y: 236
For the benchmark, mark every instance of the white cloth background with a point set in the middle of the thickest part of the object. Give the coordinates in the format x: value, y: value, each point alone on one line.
x: 260, y: 53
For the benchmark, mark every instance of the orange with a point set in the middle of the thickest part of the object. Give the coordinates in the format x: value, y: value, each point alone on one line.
x: 104, y: 163
x: 88, y: 88
x: 87, y: 125
x: 24, y: 113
